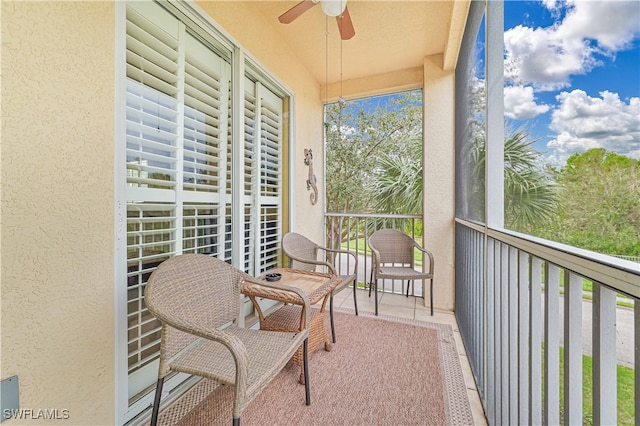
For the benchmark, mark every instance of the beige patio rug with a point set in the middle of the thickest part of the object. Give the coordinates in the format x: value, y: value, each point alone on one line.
x: 382, y: 371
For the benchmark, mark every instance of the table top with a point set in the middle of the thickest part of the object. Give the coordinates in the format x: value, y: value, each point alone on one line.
x: 316, y: 285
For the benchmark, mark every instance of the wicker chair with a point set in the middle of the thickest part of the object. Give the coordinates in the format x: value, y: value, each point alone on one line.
x: 393, y: 258
x: 197, y: 298
x: 303, y: 254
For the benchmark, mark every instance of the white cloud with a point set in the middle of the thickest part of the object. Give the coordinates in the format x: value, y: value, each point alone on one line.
x: 547, y: 57
x: 613, y: 24
x: 520, y: 104
x: 582, y: 122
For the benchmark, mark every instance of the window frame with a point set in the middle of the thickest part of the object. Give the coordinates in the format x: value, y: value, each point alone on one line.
x: 243, y: 65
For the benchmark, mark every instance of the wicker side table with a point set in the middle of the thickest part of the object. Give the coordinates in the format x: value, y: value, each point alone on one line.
x: 317, y: 286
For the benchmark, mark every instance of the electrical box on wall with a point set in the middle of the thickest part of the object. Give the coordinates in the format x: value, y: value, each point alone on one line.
x: 9, y: 397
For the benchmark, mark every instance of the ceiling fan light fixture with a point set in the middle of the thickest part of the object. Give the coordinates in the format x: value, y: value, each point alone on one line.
x: 333, y: 7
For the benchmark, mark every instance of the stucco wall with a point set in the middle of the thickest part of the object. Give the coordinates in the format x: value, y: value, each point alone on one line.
x: 439, y: 177
x: 57, y: 207
x: 57, y: 249
x: 260, y: 40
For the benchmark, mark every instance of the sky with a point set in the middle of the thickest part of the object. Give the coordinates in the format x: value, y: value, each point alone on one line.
x: 572, y: 75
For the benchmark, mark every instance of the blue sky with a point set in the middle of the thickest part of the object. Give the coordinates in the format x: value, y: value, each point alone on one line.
x: 572, y: 74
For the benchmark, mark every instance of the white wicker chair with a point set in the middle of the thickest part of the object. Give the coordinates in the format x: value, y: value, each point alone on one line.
x: 393, y: 258
x: 195, y: 297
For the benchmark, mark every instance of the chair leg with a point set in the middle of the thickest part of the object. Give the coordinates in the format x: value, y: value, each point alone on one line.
x: 305, y: 366
x: 408, y: 281
x: 376, y: 295
x: 370, y: 281
x: 333, y: 326
x: 236, y: 422
x: 355, y: 300
x: 156, y: 402
x: 431, y: 294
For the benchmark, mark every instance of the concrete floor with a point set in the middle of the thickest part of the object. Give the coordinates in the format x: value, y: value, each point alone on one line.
x: 413, y: 308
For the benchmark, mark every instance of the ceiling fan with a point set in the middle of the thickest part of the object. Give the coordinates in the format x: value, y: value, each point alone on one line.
x: 337, y: 8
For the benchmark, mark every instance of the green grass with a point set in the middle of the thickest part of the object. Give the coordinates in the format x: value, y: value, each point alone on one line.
x: 626, y: 409
x: 361, y: 247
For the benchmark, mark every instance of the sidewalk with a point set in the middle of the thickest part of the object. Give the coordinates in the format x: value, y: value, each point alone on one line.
x: 624, y: 331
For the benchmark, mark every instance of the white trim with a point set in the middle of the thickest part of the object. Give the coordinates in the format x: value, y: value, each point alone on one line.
x: 237, y: 156
x: 494, y: 113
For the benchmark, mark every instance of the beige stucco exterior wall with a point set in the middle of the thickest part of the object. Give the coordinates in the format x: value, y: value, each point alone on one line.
x: 439, y: 177
x: 57, y: 218
x: 260, y: 40
x: 57, y: 215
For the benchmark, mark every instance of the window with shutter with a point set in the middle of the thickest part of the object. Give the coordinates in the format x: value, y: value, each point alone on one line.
x: 180, y: 165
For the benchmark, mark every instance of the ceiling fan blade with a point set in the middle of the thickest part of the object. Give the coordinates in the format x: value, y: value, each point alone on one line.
x: 345, y: 26
x: 296, y: 11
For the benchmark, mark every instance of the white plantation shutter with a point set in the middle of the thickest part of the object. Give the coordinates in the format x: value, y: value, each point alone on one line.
x: 270, y: 178
x: 206, y: 112
x: 152, y: 146
x: 180, y: 166
x: 250, y: 165
x: 262, y: 177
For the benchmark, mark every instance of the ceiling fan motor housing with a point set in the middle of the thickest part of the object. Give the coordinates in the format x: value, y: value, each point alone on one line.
x: 333, y: 7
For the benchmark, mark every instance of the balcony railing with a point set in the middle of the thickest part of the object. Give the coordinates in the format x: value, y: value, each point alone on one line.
x: 519, y: 306
x: 352, y: 231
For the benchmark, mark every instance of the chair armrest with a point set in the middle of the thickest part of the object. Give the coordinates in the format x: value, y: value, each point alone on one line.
x: 254, y: 287
x: 428, y: 253
x: 312, y: 262
x: 346, y: 252
x: 230, y: 341
x: 375, y: 257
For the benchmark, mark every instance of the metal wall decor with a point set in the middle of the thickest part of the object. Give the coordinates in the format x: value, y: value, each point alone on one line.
x: 311, y: 178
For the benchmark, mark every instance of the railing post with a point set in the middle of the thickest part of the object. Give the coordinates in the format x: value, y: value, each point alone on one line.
x: 504, y: 331
x: 605, y: 379
x: 572, y: 348
x: 513, y: 335
x: 535, y: 354
x: 552, y: 345
x: 523, y: 337
x: 491, y: 350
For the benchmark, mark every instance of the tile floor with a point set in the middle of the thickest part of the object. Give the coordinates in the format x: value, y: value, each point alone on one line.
x: 413, y: 308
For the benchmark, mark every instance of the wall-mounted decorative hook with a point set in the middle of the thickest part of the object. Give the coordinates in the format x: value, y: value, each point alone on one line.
x: 311, y: 179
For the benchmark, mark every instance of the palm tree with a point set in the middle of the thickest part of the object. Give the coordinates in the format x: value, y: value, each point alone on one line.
x: 397, y: 180
x: 530, y: 193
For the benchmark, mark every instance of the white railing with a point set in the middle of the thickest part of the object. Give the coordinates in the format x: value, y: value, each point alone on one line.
x: 352, y: 231
x: 524, y: 323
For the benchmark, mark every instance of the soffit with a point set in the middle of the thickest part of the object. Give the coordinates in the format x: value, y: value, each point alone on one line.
x: 390, y: 36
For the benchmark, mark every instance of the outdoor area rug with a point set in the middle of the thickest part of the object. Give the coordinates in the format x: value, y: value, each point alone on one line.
x: 382, y: 370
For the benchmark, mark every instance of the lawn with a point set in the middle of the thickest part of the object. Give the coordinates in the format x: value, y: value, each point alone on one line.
x: 626, y: 410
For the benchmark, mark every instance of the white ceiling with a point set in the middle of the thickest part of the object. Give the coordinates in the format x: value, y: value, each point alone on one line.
x: 390, y: 36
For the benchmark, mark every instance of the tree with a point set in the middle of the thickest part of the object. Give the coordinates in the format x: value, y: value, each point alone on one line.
x: 357, y: 134
x: 398, y: 180
x: 530, y: 193
x: 356, y: 137
x: 599, y: 206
